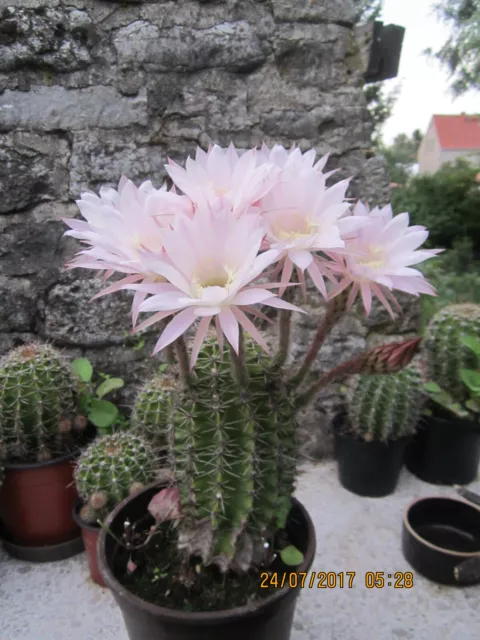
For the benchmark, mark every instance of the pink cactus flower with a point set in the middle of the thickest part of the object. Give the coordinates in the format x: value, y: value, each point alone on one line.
x: 118, y: 225
x: 293, y: 159
x: 223, y: 179
x: 379, y: 258
x: 210, y: 263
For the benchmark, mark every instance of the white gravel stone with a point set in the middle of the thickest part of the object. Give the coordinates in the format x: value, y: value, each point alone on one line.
x: 58, y: 601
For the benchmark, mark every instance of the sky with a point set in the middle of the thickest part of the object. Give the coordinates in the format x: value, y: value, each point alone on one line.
x: 423, y: 83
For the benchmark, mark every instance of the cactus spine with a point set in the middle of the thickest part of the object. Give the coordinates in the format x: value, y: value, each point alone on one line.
x: 109, y: 469
x: 385, y: 407
x: 152, y: 411
x: 233, y: 455
x: 445, y: 355
x: 37, y: 403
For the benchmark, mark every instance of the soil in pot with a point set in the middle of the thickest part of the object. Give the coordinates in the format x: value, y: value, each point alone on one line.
x: 90, y: 533
x: 445, y: 450
x: 369, y: 469
x: 212, y: 606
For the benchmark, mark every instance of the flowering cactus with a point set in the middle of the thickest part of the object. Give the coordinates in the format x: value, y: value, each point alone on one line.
x: 248, y: 228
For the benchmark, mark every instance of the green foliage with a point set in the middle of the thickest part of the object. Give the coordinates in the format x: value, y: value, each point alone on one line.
x: 452, y: 358
x: 401, y: 155
x: 102, y: 413
x: 380, y: 103
x: 37, y: 404
x: 291, y: 556
x: 447, y: 202
x: 233, y: 457
x: 368, y: 10
x: 459, y: 54
x: 385, y: 407
x: 110, y: 469
x: 152, y: 409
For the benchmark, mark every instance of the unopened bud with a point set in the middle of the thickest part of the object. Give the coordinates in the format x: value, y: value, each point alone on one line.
x: 80, y: 423
x: 98, y: 500
x: 88, y: 515
x: 64, y: 425
x: 136, y: 488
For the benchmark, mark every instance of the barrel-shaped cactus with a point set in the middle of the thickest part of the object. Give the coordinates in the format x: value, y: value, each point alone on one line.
x: 385, y: 407
x: 111, y: 468
x: 37, y: 403
x: 152, y: 410
x: 233, y: 457
x: 445, y: 353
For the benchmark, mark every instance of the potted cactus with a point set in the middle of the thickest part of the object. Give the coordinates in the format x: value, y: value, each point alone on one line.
x: 109, y: 469
x: 218, y: 552
x: 382, y: 416
x: 40, y: 436
x: 446, y: 449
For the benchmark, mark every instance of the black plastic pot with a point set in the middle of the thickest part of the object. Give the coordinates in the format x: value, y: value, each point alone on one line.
x: 369, y: 469
x: 441, y: 540
x: 269, y: 619
x: 445, y: 451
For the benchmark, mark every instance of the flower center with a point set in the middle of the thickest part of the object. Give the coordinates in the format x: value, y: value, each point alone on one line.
x: 294, y: 226
x: 210, y: 273
x: 375, y: 258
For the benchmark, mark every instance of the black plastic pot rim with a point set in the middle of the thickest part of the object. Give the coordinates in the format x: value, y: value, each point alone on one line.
x: 78, y: 520
x: 444, y: 415
x: 449, y: 552
x: 196, y: 617
x: 46, y: 553
x: 25, y: 466
x: 350, y: 436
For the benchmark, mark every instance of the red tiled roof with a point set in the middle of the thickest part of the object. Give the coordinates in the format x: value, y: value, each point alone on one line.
x: 458, y: 132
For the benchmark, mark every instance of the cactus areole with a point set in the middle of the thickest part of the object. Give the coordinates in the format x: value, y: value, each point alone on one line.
x: 238, y: 231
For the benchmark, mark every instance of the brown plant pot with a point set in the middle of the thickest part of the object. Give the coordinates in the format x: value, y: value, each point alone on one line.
x: 90, y: 533
x: 36, y: 503
x: 269, y: 619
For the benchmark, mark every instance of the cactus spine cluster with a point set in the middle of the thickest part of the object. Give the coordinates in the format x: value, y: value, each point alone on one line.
x: 445, y: 355
x: 37, y: 403
x: 111, y: 468
x: 152, y: 410
x: 385, y: 407
x: 233, y: 456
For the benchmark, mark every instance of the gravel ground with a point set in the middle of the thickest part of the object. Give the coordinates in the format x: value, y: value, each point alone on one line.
x: 58, y: 601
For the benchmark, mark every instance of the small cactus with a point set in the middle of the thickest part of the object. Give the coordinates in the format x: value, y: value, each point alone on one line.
x: 385, y: 407
x: 37, y: 403
x: 152, y: 410
x: 445, y: 353
x: 109, y: 468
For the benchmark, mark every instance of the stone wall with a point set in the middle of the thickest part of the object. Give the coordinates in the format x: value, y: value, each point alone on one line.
x: 93, y: 89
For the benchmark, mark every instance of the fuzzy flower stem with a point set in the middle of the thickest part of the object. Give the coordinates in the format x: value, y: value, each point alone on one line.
x: 388, y: 358
x: 284, y: 329
x: 183, y: 362
x: 335, y: 310
x: 239, y: 368
x: 170, y: 353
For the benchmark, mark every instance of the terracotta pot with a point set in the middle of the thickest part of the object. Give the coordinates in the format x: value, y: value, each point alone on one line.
x: 36, y: 503
x: 90, y: 533
x: 269, y: 619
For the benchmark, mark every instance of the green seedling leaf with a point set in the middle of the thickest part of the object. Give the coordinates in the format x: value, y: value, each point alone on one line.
x: 140, y: 344
x: 473, y: 405
x: 472, y: 343
x: 102, y: 413
x: 291, y: 556
x: 108, y: 386
x: 472, y: 379
x: 82, y: 368
x: 163, y: 367
x: 432, y: 387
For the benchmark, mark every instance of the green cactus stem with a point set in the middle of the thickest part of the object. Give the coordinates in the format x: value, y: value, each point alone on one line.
x: 37, y: 403
x: 385, y: 407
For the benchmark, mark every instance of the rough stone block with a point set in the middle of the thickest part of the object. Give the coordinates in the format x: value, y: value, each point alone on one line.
x: 54, y: 108
x: 18, y: 308
x: 43, y: 37
x: 339, y: 11
x: 233, y: 45
x: 33, y: 168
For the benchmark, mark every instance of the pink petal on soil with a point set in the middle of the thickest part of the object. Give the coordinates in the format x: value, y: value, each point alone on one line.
x: 165, y: 505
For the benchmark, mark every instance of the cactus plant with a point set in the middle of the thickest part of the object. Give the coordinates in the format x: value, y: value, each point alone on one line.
x: 37, y: 403
x: 109, y: 469
x: 152, y: 408
x: 445, y: 353
x: 233, y: 456
x: 385, y: 407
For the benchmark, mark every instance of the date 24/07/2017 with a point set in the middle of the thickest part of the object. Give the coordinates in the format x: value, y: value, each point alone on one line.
x: 332, y: 580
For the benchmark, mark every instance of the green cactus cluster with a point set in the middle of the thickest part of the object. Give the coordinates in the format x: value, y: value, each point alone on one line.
x: 152, y: 410
x: 233, y: 457
x: 385, y: 407
x: 445, y: 353
x: 37, y: 403
x: 111, y: 468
